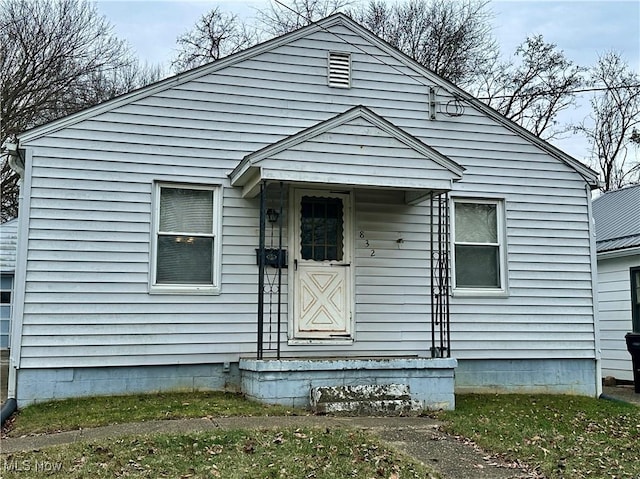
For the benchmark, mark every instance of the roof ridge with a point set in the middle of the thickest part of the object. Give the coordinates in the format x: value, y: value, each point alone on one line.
x: 632, y: 235
x: 618, y: 190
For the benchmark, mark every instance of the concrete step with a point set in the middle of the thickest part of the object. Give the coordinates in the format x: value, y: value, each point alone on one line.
x: 364, y: 400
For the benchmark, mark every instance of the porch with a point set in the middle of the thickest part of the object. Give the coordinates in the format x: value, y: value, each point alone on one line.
x: 305, y: 347
x: 326, y: 255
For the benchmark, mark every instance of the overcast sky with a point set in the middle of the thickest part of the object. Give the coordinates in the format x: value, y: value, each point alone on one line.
x: 583, y: 29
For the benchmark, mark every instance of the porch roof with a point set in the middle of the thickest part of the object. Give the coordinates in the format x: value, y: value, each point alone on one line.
x: 355, y: 148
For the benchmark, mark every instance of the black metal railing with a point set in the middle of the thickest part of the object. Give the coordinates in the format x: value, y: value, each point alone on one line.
x: 440, y: 275
x: 271, y: 261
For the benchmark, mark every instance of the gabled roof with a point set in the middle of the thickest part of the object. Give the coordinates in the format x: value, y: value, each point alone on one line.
x: 325, y: 24
x: 363, y: 158
x: 617, y: 217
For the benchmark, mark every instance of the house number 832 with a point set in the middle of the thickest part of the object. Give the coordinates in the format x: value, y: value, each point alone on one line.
x: 366, y: 243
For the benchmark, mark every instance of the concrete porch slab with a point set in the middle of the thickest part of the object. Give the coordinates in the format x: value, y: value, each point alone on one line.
x: 289, y: 381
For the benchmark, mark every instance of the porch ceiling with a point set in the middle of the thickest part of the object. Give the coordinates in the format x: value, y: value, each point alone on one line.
x: 357, y: 148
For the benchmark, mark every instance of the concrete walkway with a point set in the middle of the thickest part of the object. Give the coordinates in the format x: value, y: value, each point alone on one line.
x: 417, y: 436
x: 623, y: 393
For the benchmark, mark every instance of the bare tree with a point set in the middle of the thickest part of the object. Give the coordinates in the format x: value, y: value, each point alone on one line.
x: 535, y: 90
x: 453, y: 39
x: 280, y: 17
x: 216, y: 35
x: 611, y: 128
x: 56, y: 57
x: 103, y: 85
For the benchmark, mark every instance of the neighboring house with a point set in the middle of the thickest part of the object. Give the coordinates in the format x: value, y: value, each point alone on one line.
x: 8, y: 243
x: 617, y: 218
x: 396, y: 228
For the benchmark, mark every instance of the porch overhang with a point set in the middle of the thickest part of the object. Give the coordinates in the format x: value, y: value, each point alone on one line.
x: 357, y: 148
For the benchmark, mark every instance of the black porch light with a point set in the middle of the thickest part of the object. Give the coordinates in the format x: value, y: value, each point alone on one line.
x: 272, y: 215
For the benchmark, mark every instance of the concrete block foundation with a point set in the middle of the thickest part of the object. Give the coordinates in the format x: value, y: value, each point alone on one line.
x: 289, y: 382
x: 528, y: 376
x: 39, y: 385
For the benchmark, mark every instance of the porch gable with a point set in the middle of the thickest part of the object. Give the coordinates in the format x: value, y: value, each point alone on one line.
x: 355, y: 148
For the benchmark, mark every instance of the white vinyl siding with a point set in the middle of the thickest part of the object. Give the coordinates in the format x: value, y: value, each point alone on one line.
x: 635, y: 299
x: 90, y: 230
x: 8, y: 243
x: 345, y: 154
x: 614, y: 307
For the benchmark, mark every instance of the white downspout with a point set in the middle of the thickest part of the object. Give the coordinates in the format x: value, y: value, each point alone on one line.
x: 22, y: 166
x: 594, y: 288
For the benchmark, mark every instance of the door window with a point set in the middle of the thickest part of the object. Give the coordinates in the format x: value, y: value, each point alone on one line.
x: 321, y: 229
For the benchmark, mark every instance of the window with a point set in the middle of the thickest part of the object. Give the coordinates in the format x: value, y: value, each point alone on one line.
x: 478, y: 246
x: 321, y: 223
x: 5, y: 297
x: 186, y: 239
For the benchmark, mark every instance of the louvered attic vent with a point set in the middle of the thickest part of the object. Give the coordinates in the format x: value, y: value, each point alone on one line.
x: 339, y: 70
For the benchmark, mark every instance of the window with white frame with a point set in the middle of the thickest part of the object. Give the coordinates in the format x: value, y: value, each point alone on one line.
x: 186, y: 238
x: 478, y: 233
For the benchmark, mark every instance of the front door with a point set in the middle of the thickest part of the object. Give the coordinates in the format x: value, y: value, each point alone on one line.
x: 322, y: 265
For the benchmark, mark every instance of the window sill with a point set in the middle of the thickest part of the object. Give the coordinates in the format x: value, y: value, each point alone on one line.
x: 329, y: 341
x: 185, y: 290
x: 480, y: 293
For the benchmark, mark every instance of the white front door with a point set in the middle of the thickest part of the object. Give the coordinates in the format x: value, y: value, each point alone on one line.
x: 322, y: 265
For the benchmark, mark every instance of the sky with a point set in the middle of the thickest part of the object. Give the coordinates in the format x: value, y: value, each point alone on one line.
x: 582, y: 29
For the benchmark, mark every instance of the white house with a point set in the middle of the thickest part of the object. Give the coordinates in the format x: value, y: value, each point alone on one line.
x: 8, y: 243
x: 316, y: 210
x: 617, y: 217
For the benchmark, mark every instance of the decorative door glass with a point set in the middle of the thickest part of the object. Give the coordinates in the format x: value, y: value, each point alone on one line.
x: 321, y: 229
